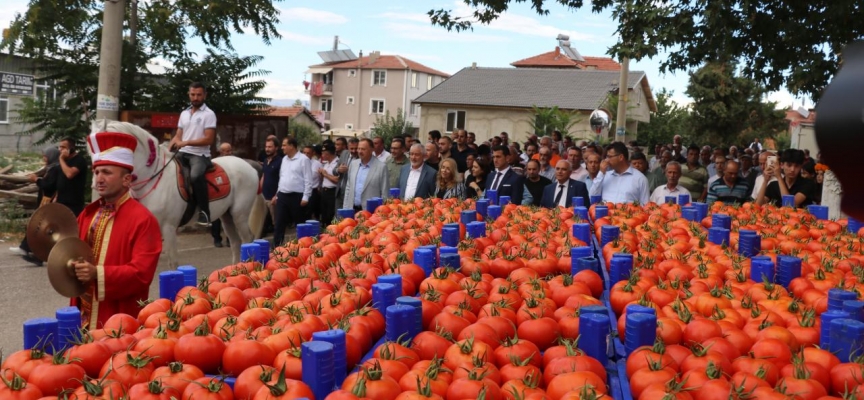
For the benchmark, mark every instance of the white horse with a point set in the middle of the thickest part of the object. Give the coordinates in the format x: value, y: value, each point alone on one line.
x: 155, y: 187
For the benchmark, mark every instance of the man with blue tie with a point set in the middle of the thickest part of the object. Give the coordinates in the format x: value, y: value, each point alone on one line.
x: 504, y: 180
x: 561, y: 192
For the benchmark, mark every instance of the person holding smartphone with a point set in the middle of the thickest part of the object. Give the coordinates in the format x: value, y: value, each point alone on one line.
x: 789, y: 181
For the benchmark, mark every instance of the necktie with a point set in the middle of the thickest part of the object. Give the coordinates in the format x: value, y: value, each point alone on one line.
x: 558, y: 196
x: 495, y: 183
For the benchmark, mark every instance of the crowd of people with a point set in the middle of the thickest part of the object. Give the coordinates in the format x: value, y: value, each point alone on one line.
x: 549, y: 171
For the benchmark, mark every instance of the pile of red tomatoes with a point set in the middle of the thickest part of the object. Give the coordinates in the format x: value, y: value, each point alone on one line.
x: 721, y: 335
x: 504, y: 326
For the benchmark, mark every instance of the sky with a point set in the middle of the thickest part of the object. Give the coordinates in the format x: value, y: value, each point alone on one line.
x: 403, y: 28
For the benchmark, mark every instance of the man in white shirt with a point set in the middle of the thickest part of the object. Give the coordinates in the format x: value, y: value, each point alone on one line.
x: 756, y: 182
x: 719, y: 166
x: 295, y: 189
x: 574, y: 155
x: 313, y: 209
x: 196, y: 131
x: 380, y: 153
x: 592, y: 165
x: 756, y: 146
x: 617, y: 181
x: 671, y: 188
x: 416, y: 179
x: 329, y: 183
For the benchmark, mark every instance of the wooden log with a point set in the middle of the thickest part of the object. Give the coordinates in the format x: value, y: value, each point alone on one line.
x: 6, y: 169
x: 21, y: 197
x: 15, y: 178
x: 27, y: 189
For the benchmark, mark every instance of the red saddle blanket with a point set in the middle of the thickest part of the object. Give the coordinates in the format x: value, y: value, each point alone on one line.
x: 218, y: 185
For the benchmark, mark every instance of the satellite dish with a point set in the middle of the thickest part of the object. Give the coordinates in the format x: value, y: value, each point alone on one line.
x: 600, y: 121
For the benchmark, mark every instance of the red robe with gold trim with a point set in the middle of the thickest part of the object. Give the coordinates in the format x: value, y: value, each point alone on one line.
x: 126, y: 242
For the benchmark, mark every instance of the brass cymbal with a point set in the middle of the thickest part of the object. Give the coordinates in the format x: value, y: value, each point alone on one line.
x: 61, y: 274
x: 50, y: 224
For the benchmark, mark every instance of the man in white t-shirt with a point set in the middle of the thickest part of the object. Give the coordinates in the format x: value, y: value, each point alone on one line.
x: 196, y: 131
x: 671, y: 188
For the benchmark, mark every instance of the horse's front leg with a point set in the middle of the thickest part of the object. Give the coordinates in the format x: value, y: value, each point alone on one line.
x: 169, y: 245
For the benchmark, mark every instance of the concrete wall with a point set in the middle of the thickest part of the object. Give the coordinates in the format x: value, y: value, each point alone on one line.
x: 10, y: 141
x: 488, y: 122
x: 804, y: 137
x: 397, y: 94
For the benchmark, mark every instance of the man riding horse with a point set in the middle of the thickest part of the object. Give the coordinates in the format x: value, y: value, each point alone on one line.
x: 196, y: 131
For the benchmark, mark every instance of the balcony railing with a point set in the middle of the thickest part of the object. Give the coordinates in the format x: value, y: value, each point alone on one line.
x: 320, y: 89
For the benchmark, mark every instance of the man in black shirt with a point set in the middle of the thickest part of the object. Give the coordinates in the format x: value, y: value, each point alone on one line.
x: 71, y: 182
x: 534, y: 184
x: 461, y: 151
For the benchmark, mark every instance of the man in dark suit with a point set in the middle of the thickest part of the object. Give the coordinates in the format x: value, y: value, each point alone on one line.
x: 416, y: 179
x: 503, y: 179
x: 563, y: 190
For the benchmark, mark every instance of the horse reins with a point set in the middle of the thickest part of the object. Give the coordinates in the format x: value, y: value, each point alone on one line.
x: 157, y: 174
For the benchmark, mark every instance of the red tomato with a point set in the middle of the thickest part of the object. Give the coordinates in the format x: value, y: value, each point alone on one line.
x: 201, y: 349
x: 240, y: 355
x: 52, y: 379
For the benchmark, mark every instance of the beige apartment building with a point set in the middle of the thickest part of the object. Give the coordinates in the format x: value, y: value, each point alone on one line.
x: 352, y: 94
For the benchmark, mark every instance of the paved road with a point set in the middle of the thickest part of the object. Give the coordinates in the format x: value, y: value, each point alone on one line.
x: 25, y: 292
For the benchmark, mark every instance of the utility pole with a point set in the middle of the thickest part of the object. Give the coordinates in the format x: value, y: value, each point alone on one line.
x: 110, y: 56
x: 623, y: 87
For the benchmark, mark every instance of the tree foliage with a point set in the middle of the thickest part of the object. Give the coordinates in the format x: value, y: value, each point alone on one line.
x: 778, y: 42
x: 63, y: 38
x: 726, y: 106
x: 232, y: 85
x: 305, y: 134
x: 669, y: 120
x: 389, y: 126
x: 549, y: 119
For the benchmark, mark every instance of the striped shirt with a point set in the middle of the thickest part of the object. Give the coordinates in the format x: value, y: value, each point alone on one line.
x: 720, y: 191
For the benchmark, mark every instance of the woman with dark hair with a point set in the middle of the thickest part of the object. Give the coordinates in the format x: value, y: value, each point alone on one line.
x: 449, y: 181
x: 789, y: 181
x: 477, y: 180
x: 47, y: 185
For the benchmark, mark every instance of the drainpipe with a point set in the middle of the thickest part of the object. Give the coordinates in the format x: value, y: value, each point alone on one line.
x: 359, y: 90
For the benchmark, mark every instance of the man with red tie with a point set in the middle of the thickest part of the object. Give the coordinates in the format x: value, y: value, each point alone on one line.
x: 124, y: 235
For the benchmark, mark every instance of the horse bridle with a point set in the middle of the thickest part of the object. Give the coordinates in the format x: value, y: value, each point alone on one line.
x: 155, y: 175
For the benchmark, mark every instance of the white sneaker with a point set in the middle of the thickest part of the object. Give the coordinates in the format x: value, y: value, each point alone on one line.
x: 18, y: 251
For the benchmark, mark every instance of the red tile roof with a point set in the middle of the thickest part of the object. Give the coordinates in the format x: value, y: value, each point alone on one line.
x: 385, y: 62
x: 289, y: 112
x: 556, y: 59
x: 795, y: 116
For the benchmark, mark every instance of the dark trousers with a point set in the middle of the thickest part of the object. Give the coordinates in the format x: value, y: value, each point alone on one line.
x: 313, y: 207
x: 198, y: 166
x: 287, y: 210
x: 216, y: 230
x: 328, y: 205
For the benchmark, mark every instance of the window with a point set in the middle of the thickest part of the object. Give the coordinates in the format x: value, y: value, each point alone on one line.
x: 429, y: 82
x: 377, y: 107
x: 350, y: 100
x: 45, y: 90
x: 455, y: 120
x: 327, y: 105
x: 379, y: 78
x: 352, y: 73
x: 4, y: 110
x: 415, y: 109
x: 413, y: 79
x: 349, y: 126
x: 327, y: 78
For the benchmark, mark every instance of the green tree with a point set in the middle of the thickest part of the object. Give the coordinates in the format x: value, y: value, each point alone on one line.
x: 779, y: 42
x: 669, y: 120
x: 726, y: 107
x: 63, y: 37
x: 548, y: 119
x: 232, y: 87
x: 305, y: 134
x: 388, y: 126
